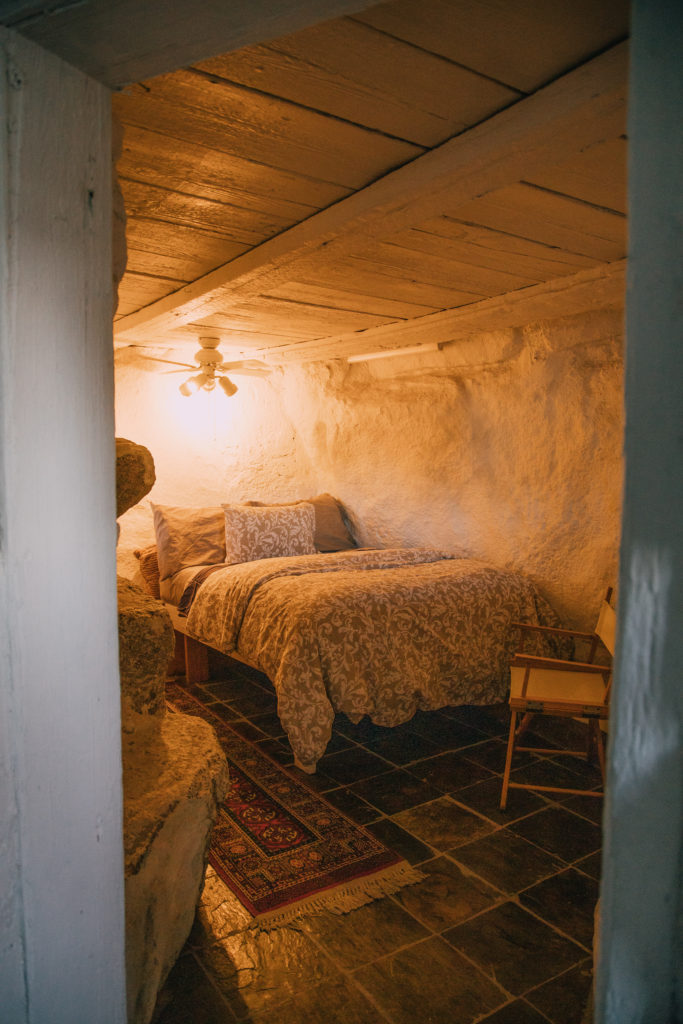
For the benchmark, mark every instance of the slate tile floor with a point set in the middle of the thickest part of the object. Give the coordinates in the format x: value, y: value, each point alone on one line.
x: 499, y: 931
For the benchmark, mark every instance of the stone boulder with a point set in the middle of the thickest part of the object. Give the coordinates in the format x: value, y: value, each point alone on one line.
x: 174, y: 776
x: 135, y: 474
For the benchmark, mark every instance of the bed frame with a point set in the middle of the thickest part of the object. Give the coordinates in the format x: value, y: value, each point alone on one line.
x: 192, y: 654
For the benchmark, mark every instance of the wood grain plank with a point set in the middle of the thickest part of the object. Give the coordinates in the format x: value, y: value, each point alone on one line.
x: 482, y: 247
x: 524, y: 44
x: 584, y: 107
x: 227, y: 117
x: 338, y: 298
x: 601, y: 287
x: 596, y: 175
x: 357, y: 274
x: 138, y: 290
x: 353, y: 72
x: 304, y: 319
x: 150, y: 202
x: 127, y: 41
x: 184, y: 253
x: 552, y: 219
x: 162, y: 160
x: 432, y: 264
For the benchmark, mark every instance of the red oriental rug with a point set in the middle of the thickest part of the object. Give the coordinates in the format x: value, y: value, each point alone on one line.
x: 281, y: 848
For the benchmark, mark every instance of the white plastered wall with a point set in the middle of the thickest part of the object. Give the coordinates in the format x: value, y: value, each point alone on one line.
x: 640, y: 977
x: 61, y: 857
x: 506, y: 446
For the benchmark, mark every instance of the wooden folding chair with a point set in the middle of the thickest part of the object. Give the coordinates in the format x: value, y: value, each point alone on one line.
x: 566, y: 689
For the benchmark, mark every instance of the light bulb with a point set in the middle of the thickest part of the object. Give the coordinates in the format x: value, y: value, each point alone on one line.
x: 228, y: 387
x: 193, y: 384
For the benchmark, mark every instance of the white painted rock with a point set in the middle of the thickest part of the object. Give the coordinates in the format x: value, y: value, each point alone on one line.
x: 172, y: 786
x: 174, y: 775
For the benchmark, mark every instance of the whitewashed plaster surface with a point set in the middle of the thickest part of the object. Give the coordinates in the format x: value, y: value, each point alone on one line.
x: 507, y: 446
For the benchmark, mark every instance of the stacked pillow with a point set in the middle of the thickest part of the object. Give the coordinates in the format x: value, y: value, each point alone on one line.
x: 235, y: 533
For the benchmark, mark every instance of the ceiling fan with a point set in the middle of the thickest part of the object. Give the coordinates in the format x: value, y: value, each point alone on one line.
x: 212, y: 369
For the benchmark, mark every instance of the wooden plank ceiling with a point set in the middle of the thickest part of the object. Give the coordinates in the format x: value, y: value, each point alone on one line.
x: 308, y: 197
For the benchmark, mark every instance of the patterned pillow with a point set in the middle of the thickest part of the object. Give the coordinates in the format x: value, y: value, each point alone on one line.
x: 268, y: 532
x: 331, y: 531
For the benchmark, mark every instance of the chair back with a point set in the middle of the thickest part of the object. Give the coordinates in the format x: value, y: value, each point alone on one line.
x: 606, y: 628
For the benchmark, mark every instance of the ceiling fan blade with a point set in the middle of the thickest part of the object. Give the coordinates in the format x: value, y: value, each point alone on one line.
x: 245, y: 371
x: 246, y: 366
x: 170, y: 362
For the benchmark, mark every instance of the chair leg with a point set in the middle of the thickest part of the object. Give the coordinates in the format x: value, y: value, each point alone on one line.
x: 600, y: 745
x: 508, y: 760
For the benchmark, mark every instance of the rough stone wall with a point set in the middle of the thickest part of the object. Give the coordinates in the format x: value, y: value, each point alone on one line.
x: 507, y: 446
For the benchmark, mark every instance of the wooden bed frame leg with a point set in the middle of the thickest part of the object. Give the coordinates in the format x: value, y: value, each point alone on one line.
x: 196, y: 661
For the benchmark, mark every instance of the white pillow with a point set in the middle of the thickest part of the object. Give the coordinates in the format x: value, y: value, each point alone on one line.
x: 188, y: 536
x: 268, y: 531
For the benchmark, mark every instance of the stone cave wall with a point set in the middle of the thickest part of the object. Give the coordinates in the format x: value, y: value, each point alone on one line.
x: 506, y: 446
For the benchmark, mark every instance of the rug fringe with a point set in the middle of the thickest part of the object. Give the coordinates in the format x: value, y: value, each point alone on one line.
x: 344, y: 898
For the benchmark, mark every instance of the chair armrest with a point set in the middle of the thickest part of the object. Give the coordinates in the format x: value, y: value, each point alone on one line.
x: 534, y: 661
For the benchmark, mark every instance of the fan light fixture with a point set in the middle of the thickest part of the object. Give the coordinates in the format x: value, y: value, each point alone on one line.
x: 210, y: 361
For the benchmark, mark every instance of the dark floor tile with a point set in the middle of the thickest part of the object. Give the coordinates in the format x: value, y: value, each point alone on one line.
x: 232, y: 689
x: 429, y: 982
x: 591, y: 807
x: 489, y: 754
x: 188, y: 996
x: 334, y: 1002
x: 268, y: 723
x: 484, y: 797
x: 545, y: 772
x: 517, y: 1012
x: 247, y: 730
x: 450, y: 771
x: 444, y: 732
x: 494, y: 720
x: 319, y: 782
x: 559, y: 832
x: 400, y: 841
x: 337, y: 742
x: 363, y: 935
x: 507, y: 861
x: 591, y: 865
x: 352, y: 806
x: 442, y: 824
x: 564, y: 999
x: 360, y: 732
x: 401, y: 747
x: 352, y: 765
x: 514, y: 947
x: 224, y: 711
x: 260, y: 704
x: 394, y: 791
x: 447, y: 896
x: 255, y: 971
x: 566, y: 901
x: 277, y: 751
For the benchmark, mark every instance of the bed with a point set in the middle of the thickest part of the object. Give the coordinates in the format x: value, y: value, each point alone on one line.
x: 378, y: 632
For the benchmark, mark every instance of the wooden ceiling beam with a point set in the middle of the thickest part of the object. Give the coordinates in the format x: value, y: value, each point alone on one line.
x: 581, y: 109
x: 119, y: 42
x: 598, y: 288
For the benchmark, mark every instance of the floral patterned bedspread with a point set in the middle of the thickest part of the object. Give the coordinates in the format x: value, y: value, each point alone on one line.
x: 376, y: 632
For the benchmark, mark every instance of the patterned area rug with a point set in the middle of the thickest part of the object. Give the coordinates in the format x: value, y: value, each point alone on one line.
x: 281, y: 848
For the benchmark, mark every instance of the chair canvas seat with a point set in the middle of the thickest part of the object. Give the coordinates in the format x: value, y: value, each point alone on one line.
x: 551, y: 688
x: 545, y: 685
